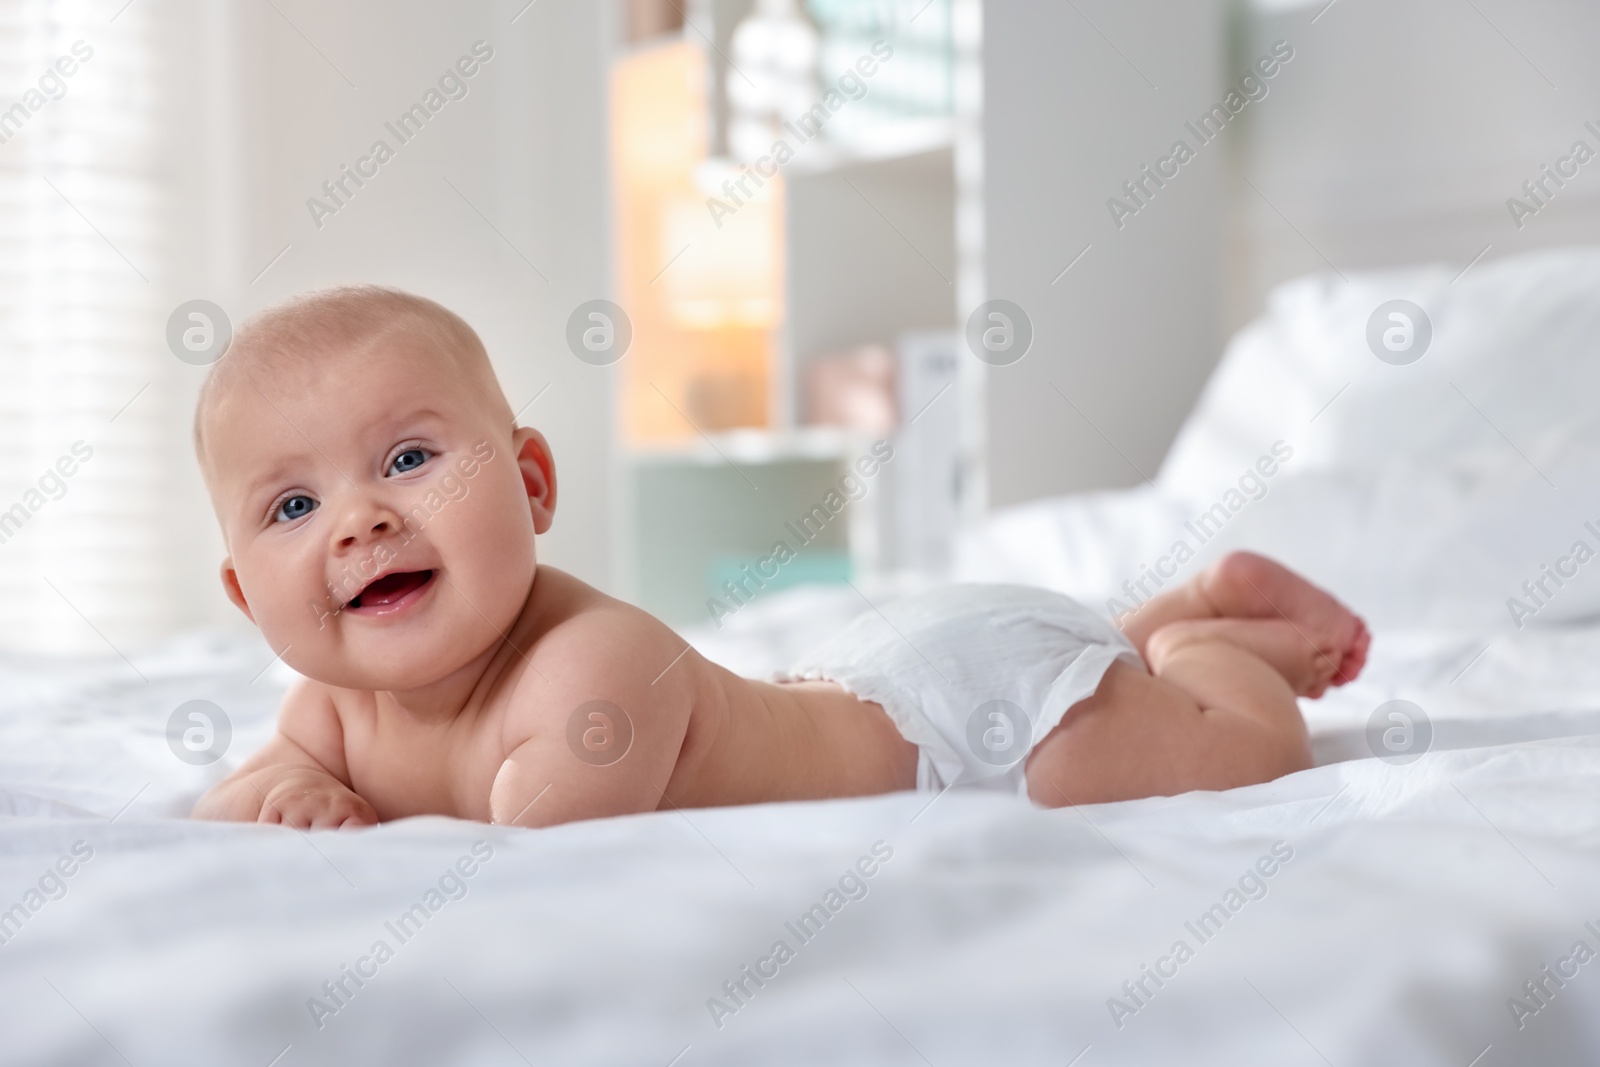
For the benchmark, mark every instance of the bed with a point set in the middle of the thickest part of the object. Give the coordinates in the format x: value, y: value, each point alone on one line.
x: 1437, y: 905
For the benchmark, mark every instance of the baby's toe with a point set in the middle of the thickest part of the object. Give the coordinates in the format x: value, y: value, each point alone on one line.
x: 1355, y: 654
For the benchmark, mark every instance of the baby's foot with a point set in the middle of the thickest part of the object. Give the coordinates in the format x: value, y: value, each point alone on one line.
x: 1244, y: 585
x: 1308, y: 670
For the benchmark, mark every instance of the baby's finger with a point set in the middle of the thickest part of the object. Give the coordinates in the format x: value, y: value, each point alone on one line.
x: 327, y: 818
x: 295, y: 816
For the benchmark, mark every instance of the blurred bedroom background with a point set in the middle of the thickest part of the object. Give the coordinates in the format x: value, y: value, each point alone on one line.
x: 780, y: 311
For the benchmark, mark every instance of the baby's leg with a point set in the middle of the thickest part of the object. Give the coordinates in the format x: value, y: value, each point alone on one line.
x: 1308, y: 671
x: 1212, y: 715
x: 1243, y: 585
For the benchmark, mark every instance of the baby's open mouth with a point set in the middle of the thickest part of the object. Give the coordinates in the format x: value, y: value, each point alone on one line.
x: 391, y: 590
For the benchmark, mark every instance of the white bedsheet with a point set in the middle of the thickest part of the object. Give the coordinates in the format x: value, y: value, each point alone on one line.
x: 1418, y: 900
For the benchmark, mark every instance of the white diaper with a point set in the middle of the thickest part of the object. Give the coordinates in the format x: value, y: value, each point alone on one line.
x: 973, y: 675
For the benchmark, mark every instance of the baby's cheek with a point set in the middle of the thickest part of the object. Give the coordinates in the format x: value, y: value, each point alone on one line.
x: 298, y: 617
x: 492, y: 538
x: 288, y: 605
x: 454, y: 489
x: 499, y: 514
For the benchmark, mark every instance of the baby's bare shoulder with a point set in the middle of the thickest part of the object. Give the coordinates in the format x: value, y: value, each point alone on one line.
x: 592, y: 647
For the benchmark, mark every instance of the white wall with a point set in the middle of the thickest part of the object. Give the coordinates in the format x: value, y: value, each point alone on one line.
x: 1072, y: 110
x: 1402, y: 127
x: 527, y: 146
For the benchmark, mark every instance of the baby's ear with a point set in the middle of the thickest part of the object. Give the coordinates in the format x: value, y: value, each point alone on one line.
x: 230, y: 585
x: 538, y: 475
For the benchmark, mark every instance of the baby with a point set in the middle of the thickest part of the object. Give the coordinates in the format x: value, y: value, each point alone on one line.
x: 380, y: 510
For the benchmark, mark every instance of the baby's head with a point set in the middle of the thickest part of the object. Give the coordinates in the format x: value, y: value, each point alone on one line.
x: 378, y: 505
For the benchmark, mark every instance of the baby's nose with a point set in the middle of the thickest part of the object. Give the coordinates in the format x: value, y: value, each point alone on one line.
x: 379, y: 528
x: 364, y: 523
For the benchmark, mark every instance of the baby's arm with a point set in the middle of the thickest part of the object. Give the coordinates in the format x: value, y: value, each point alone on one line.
x: 289, y: 780
x: 608, y: 664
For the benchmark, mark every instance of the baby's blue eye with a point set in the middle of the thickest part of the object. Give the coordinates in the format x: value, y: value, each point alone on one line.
x: 409, y: 460
x: 296, y: 507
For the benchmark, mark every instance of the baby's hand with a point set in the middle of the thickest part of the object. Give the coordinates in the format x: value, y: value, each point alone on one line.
x: 309, y: 799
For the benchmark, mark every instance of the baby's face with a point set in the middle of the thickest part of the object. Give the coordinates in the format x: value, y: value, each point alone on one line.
x: 379, y: 517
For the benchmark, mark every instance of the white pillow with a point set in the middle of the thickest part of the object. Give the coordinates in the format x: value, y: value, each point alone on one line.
x: 1513, y: 366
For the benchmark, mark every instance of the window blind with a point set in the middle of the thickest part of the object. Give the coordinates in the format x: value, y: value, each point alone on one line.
x: 81, y: 331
